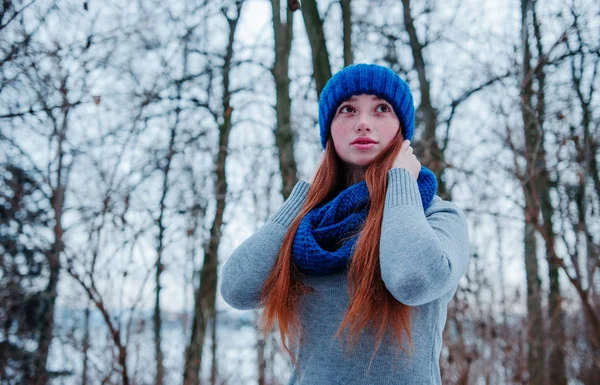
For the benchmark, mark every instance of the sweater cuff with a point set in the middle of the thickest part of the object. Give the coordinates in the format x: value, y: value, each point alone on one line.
x: 290, y: 208
x: 402, y: 189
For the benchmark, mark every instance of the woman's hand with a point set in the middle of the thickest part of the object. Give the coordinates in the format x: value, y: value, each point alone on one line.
x: 406, y: 159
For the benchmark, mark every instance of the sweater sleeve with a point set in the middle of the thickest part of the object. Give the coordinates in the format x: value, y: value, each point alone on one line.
x: 249, y: 265
x: 423, y: 255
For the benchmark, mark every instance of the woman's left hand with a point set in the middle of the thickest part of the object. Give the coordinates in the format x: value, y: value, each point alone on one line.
x: 406, y: 159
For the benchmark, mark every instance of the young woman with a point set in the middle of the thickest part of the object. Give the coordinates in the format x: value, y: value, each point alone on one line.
x: 356, y: 268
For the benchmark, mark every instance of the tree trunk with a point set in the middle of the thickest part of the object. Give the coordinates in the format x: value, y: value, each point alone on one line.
x: 316, y: 37
x: 205, y: 296
x: 533, y: 184
x: 586, y: 150
x: 535, y: 319
x: 347, y: 27
x: 160, y: 370
x: 213, y: 351
x: 556, y: 361
x: 157, y: 321
x: 46, y: 318
x: 428, y: 148
x: 284, y: 137
x: 261, y: 360
x: 539, y: 182
x: 86, y: 346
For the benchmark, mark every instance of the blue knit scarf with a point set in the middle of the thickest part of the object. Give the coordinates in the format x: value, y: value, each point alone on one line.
x: 325, y: 240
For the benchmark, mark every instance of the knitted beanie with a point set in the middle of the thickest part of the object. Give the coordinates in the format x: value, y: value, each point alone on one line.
x: 372, y: 79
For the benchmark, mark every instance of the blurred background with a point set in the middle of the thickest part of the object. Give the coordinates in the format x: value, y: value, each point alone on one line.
x: 142, y: 141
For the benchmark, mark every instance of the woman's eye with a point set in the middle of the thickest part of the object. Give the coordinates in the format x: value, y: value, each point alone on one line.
x: 383, y: 108
x: 347, y: 108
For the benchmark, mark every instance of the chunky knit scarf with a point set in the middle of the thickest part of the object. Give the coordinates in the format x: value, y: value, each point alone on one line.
x: 325, y: 240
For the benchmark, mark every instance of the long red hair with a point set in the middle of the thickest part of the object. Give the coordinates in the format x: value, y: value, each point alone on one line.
x: 371, y: 304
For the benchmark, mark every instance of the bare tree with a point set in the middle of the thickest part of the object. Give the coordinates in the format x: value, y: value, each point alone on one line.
x: 347, y: 27
x: 160, y: 370
x: 536, y: 188
x: 205, y: 296
x: 428, y: 145
x: 577, y: 193
x: 20, y: 304
x: 316, y: 37
x: 55, y: 179
x: 284, y: 138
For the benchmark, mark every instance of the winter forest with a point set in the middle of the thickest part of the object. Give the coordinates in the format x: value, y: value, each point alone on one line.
x: 142, y: 141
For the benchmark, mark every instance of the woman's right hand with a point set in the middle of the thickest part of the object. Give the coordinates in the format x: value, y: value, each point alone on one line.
x: 406, y: 159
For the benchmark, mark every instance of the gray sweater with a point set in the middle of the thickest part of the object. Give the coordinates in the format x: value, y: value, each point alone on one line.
x: 423, y: 255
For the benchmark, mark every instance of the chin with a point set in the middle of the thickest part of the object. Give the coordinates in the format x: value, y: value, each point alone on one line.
x: 360, y: 162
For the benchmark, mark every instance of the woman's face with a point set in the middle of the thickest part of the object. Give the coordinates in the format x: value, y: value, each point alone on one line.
x: 366, y: 118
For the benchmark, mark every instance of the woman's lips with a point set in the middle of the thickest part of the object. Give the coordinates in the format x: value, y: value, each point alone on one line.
x: 364, y: 146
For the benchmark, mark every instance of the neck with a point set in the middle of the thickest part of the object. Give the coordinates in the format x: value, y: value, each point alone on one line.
x: 354, y: 174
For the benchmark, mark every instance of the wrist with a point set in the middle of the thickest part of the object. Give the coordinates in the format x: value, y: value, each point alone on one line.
x: 402, y: 188
x: 407, y: 169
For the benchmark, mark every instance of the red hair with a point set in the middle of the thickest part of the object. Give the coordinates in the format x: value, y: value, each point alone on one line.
x: 371, y: 304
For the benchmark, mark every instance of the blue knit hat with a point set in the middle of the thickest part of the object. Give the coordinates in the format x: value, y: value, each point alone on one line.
x: 372, y: 79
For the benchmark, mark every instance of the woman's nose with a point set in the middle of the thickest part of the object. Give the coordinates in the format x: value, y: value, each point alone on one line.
x: 363, y: 124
